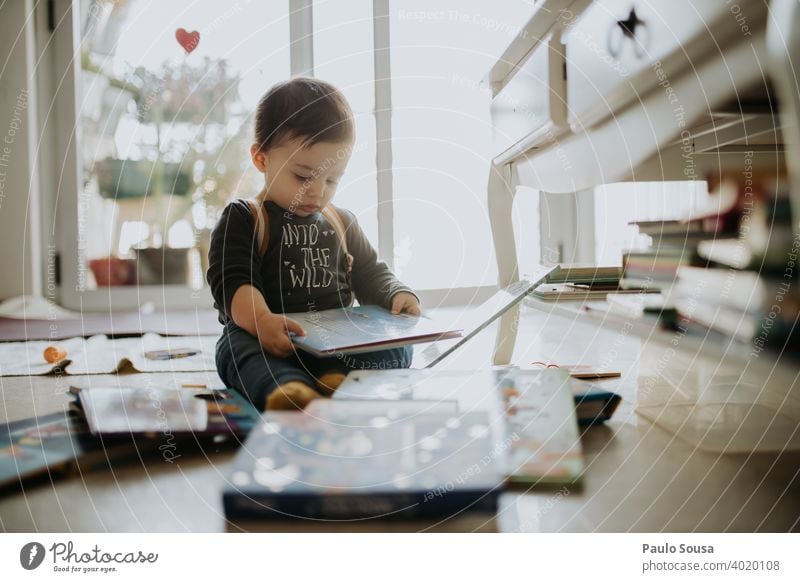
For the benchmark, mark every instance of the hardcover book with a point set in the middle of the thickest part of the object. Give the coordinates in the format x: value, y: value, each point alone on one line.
x: 121, y: 412
x: 366, y: 328
x: 349, y: 466
x: 56, y: 443
x: 532, y: 412
x: 542, y: 427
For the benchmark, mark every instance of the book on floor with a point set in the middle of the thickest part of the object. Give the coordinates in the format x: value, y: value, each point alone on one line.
x: 141, y: 411
x: 593, y: 404
x: 542, y: 426
x: 532, y: 412
x: 50, y: 445
x: 347, y: 466
x: 392, y: 410
x: 365, y: 328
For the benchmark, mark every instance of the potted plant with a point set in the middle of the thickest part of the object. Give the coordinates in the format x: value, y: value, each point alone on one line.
x: 188, y: 110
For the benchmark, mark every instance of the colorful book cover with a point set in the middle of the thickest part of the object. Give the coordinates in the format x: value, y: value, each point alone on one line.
x: 593, y: 404
x: 532, y: 412
x: 52, y: 444
x: 62, y: 443
x: 542, y: 426
x: 362, y: 466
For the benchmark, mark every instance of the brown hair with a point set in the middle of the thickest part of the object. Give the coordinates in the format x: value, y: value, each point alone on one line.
x: 305, y: 108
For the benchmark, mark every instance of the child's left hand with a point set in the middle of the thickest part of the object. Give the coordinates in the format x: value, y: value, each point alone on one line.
x: 404, y: 301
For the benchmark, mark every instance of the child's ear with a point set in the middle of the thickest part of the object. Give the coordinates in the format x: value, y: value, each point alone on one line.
x: 259, y: 158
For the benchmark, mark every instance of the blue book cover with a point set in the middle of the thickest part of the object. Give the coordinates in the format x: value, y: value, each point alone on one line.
x: 345, y: 466
x: 593, y: 404
x: 365, y: 328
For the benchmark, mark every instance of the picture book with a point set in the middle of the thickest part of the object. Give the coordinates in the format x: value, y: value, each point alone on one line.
x: 116, y: 411
x: 532, y: 412
x: 329, y: 408
x: 542, y: 427
x: 469, y: 390
x: 365, y: 328
x: 49, y: 445
x: 360, y: 466
x: 593, y: 404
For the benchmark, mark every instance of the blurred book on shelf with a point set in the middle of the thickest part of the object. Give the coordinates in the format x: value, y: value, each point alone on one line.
x: 585, y: 273
x: 728, y: 273
x: 582, y: 291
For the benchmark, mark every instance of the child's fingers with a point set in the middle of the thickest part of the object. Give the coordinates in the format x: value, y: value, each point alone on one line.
x: 293, y: 326
x: 282, y: 347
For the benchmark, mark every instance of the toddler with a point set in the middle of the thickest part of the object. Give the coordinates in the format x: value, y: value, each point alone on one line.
x: 289, y: 250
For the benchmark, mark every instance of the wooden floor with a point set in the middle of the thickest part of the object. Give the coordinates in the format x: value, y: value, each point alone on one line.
x: 639, y: 476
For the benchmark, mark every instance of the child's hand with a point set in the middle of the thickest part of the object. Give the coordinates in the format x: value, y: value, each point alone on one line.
x: 404, y: 301
x: 273, y: 333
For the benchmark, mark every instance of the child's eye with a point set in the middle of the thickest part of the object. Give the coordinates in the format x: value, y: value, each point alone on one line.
x: 301, y: 178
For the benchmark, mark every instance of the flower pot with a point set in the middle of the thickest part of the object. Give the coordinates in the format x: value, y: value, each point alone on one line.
x: 120, y: 179
x: 162, y: 266
x: 112, y: 271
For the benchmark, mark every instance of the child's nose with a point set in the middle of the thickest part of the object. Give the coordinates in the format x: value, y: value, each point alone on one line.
x: 315, y: 190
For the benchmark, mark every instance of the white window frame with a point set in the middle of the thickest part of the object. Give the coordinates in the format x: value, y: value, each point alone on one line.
x: 65, y: 177
x: 63, y: 181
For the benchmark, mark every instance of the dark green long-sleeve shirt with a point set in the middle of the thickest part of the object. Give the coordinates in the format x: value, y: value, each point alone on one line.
x: 304, y: 266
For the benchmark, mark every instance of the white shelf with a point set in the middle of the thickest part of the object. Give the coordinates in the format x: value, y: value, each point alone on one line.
x: 546, y: 15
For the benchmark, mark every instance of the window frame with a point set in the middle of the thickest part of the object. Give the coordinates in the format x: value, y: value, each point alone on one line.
x: 60, y: 26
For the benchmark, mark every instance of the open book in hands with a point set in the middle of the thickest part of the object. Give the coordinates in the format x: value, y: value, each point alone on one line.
x: 366, y: 328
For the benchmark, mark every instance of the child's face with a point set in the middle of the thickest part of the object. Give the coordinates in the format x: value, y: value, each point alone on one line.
x: 302, y: 180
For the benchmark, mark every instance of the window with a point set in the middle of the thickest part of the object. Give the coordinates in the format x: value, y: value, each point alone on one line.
x: 441, y: 132
x: 166, y: 96
x: 343, y: 55
x: 164, y: 104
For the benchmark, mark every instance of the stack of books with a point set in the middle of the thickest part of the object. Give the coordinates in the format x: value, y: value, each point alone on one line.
x: 107, y: 425
x: 676, y: 243
x: 410, y: 444
x: 746, y: 289
x: 585, y: 274
x: 580, y: 282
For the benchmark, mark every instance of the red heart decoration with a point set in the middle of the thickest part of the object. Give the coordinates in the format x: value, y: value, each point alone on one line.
x: 188, y: 40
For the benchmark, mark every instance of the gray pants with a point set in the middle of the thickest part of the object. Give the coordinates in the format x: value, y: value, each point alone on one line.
x: 244, y: 365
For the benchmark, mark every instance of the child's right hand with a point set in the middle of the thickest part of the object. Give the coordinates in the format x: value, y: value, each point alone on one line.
x: 273, y: 333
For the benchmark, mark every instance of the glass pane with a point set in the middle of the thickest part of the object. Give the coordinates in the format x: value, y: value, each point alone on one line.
x: 167, y: 95
x: 442, y: 136
x: 343, y: 55
x: 526, y: 229
x: 618, y: 204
